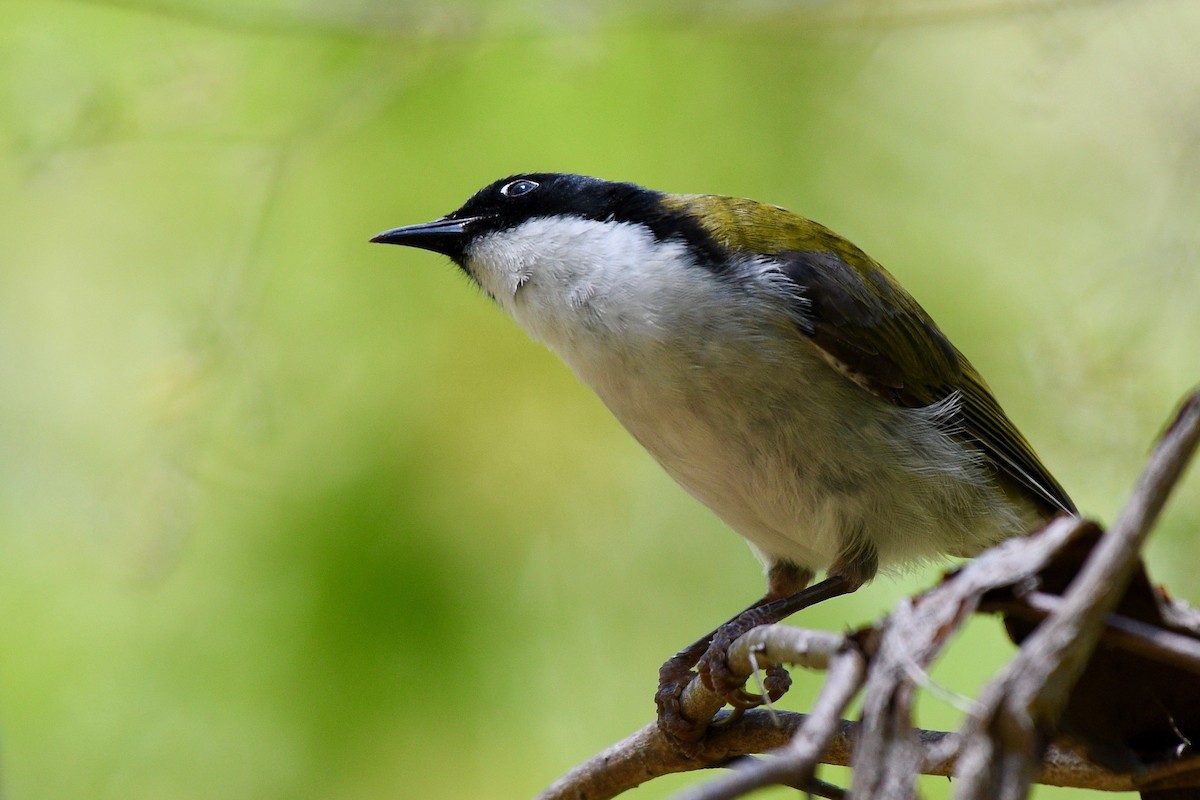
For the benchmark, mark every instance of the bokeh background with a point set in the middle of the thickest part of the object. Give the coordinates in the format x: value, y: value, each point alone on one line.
x: 284, y: 514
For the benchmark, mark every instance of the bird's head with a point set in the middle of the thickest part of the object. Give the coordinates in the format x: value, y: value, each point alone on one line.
x: 551, y: 228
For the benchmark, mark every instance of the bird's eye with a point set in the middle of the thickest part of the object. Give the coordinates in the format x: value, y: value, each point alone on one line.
x: 518, y: 187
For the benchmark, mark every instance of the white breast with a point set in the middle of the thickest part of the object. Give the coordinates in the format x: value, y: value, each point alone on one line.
x: 713, y: 377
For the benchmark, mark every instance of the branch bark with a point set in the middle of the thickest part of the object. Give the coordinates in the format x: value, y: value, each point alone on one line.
x: 1007, y: 741
x: 1003, y: 744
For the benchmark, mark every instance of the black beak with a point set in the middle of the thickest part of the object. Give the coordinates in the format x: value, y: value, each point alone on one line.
x: 445, y: 236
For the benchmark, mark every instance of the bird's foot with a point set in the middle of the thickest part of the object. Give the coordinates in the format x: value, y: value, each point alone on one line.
x: 716, y: 675
x: 713, y: 668
x: 684, y: 733
x: 710, y: 655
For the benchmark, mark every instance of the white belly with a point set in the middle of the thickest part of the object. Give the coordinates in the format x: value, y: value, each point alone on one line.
x: 717, y: 382
x: 803, y: 463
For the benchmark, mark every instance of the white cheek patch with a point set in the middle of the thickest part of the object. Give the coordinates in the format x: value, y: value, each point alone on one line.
x: 556, y: 275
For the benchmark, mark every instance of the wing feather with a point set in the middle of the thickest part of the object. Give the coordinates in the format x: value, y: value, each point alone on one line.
x: 901, y: 356
x: 871, y: 330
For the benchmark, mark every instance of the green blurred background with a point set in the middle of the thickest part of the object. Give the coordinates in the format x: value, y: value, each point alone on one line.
x: 283, y: 514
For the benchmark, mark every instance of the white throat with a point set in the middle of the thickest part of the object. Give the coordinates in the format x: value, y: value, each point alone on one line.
x: 713, y: 376
x: 563, y: 279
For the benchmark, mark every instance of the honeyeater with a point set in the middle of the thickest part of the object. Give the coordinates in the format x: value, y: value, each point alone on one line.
x: 777, y: 372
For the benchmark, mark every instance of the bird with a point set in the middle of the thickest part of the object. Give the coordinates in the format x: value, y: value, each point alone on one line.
x: 774, y: 370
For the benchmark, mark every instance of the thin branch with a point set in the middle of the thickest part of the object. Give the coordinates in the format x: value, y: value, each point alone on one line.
x: 1120, y: 631
x: 648, y: 754
x: 638, y: 759
x: 1002, y: 747
x: 1001, y: 750
x: 797, y: 761
x: 914, y: 634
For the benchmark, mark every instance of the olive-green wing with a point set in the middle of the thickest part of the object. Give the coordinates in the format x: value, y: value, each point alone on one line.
x: 871, y: 330
x: 876, y: 334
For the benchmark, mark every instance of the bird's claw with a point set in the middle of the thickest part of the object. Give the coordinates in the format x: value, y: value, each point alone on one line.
x: 716, y: 675
x: 684, y: 733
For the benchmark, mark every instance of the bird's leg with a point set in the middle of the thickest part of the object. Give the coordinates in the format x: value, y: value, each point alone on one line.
x: 788, y: 592
x: 674, y: 676
x: 784, y: 579
x: 713, y: 666
x: 856, y: 565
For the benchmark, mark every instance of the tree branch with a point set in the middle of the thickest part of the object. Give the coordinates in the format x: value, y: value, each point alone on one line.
x: 796, y: 762
x: 1004, y: 744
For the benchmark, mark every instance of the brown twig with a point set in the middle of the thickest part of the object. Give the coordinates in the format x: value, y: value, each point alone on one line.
x: 914, y: 634
x: 1119, y: 631
x: 1002, y: 746
x: 638, y: 759
x: 796, y: 762
x: 648, y: 754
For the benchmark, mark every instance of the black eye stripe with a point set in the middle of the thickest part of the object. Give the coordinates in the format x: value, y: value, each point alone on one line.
x: 518, y: 187
x: 511, y: 201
